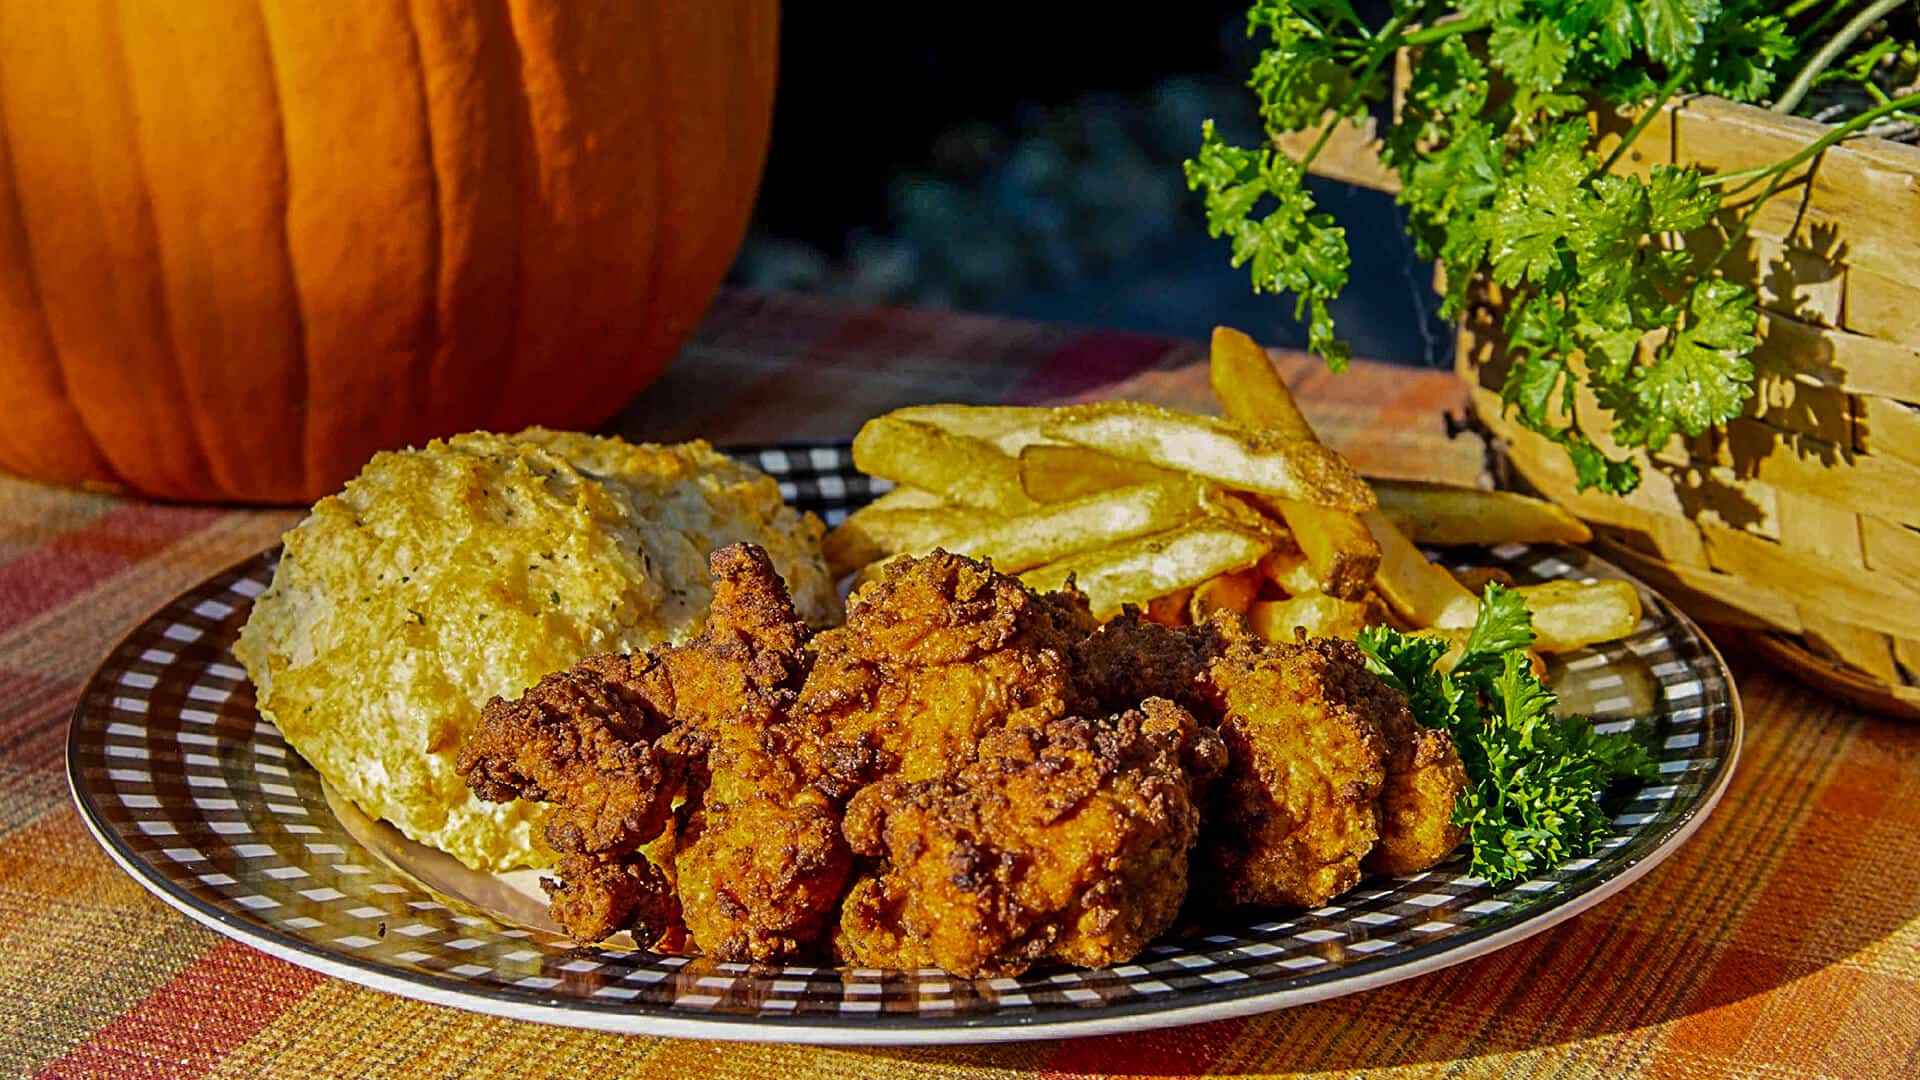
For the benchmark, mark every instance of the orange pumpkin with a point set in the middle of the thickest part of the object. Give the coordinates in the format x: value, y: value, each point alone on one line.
x: 246, y: 243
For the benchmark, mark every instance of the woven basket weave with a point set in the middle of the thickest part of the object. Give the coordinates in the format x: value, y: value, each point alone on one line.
x: 1801, y: 519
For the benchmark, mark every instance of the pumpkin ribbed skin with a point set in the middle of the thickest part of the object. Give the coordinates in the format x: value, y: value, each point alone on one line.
x: 244, y: 244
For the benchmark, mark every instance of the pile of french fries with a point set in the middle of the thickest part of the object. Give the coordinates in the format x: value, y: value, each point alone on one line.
x: 1183, y: 515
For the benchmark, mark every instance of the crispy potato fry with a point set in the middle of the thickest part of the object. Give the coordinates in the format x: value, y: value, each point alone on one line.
x: 1424, y: 593
x: 1138, y: 570
x: 875, y: 531
x: 1228, y: 592
x: 1250, y: 392
x: 1058, y: 530
x: 1052, y: 472
x: 1319, y: 614
x: 1234, y: 456
x: 904, y: 497
x: 1570, y: 614
x: 1444, y: 515
x: 1289, y: 570
x: 1009, y: 427
x: 1337, y: 544
x: 1171, y: 609
x: 960, y: 468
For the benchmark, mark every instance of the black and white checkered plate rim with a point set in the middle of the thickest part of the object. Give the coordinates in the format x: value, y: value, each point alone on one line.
x: 198, y: 798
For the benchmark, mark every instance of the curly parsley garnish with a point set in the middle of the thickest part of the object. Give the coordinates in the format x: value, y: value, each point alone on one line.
x: 1510, y: 186
x: 1536, y: 778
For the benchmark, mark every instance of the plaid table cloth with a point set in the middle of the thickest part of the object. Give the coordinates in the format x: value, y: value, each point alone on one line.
x: 1783, y: 940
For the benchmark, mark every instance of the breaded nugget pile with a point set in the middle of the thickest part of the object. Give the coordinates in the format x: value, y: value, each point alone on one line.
x: 966, y: 775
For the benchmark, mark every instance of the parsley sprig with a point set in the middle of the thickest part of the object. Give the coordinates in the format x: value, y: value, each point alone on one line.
x: 1502, y: 180
x: 1536, y: 778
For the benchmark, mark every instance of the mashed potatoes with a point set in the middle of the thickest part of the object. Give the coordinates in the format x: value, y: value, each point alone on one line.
x: 472, y: 567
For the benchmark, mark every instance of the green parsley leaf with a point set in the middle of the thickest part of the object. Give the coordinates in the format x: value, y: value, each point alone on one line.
x: 1541, y: 206
x: 1536, y: 778
x: 1677, y: 201
x: 1290, y: 248
x: 1502, y: 625
x: 1532, y: 54
x: 1703, y: 377
x: 1673, y: 27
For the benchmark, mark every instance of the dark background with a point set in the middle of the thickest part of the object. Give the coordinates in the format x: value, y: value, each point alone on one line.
x: 1024, y: 159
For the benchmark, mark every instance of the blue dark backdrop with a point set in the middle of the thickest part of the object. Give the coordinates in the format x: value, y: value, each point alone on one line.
x: 1024, y: 159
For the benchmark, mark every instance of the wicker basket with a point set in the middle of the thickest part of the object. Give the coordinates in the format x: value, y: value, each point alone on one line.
x: 1799, y: 521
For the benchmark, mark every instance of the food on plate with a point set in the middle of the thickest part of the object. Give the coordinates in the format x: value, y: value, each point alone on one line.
x: 1096, y: 481
x: 1135, y: 571
x: 1051, y: 472
x: 1094, y: 658
x: 1060, y: 529
x: 1568, y: 615
x: 1065, y: 841
x: 1237, y: 457
x: 1308, y: 761
x: 964, y: 469
x: 471, y: 567
x: 1444, y: 515
x: 968, y: 773
x: 1534, y: 779
x: 1335, y: 541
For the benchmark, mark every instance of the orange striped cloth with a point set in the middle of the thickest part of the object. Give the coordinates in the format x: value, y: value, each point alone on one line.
x: 1783, y: 940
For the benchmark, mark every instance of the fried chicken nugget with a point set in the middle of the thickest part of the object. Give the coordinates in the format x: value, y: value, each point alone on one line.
x: 1132, y: 658
x: 1299, y: 807
x: 1066, y: 841
x: 1424, y: 779
x: 936, y: 653
x: 614, y: 741
x: 584, y: 740
x: 759, y: 861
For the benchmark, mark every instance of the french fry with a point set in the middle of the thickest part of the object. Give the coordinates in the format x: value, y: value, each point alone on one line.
x: 1228, y: 592
x: 1141, y: 569
x: 1289, y: 570
x: 1568, y: 615
x: 1337, y: 544
x: 875, y: 531
x: 1443, y: 515
x: 1053, y: 472
x: 1058, y: 530
x: 1423, y: 593
x: 905, y: 497
x: 1247, y: 387
x: 960, y: 468
x: 1319, y: 614
x: 1231, y: 455
x: 1171, y: 609
x: 1008, y: 427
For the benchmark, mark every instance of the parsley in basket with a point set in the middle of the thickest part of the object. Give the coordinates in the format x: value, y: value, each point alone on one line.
x: 1536, y: 778
x: 1502, y: 180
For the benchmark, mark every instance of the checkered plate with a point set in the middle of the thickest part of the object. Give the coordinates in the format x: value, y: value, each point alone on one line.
x: 197, y: 797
